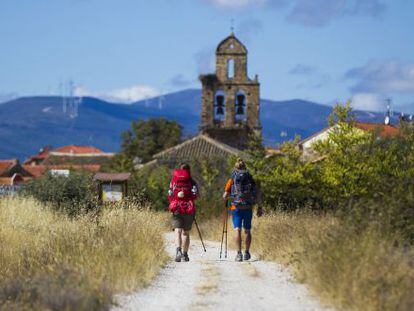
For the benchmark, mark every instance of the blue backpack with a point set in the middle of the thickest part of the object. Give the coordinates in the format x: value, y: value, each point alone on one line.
x: 243, y: 189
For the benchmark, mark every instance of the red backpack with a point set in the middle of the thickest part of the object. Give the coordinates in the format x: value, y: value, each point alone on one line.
x: 182, y: 196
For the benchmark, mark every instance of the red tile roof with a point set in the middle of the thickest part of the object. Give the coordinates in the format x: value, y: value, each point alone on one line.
x: 35, y: 170
x: 384, y: 130
x: 78, y: 149
x: 43, y: 154
x: 6, y: 165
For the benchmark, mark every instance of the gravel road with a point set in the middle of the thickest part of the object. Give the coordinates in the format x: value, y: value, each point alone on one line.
x: 210, y: 283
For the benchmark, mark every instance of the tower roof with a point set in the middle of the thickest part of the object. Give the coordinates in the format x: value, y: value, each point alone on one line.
x: 231, y: 45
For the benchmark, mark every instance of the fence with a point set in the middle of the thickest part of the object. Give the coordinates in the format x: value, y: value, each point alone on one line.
x: 9, y: 190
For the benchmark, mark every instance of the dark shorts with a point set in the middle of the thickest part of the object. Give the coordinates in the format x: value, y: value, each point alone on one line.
x: 242, y: 218
x: 182, y: 221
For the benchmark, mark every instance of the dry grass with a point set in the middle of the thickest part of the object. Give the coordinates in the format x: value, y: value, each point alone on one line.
x: 48, y: 261
x: 352, y: 271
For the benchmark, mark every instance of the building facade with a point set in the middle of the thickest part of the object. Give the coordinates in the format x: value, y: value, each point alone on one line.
x: 230, y: 99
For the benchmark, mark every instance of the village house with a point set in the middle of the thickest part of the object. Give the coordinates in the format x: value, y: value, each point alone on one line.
x: 383, y: 131
x: 12, y: 173
x: 62, y: 160
x: 57, y: 161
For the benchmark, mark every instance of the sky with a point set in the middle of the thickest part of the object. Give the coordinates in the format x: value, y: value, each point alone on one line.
x: 325, y: 51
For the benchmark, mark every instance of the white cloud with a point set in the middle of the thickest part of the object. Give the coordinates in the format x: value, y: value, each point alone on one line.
x: 125, y: 95
x: 368, y: 101
x: 383, y: 76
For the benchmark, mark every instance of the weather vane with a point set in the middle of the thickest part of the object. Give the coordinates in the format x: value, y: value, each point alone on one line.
x: 232, y: 25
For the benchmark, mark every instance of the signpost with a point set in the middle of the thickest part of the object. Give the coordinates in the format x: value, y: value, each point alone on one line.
x: 112, y: 187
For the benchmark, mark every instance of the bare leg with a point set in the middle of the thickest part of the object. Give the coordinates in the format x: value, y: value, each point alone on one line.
x: 237, y: 238
x: 178, y: 241
x: 186, y: 240
x: 248, y: 239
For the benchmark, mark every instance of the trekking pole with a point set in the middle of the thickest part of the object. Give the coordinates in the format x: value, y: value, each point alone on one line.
x: 224, y: 232
x: 227, y: 220
x: 224, y: 226
x: 199, y: 233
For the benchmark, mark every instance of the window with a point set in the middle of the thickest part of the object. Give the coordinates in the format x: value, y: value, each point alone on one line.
x: 230, y: 69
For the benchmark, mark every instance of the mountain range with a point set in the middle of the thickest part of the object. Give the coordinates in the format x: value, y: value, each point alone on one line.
x: 29, y: 123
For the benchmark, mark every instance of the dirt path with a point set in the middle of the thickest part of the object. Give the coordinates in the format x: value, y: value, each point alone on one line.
x: 208, y: 283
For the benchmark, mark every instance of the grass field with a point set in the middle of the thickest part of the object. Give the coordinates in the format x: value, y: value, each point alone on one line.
x: 48, y: 261
x: 349, y: 270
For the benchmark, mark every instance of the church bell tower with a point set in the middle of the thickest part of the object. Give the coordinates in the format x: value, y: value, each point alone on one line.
x: 230, y: 99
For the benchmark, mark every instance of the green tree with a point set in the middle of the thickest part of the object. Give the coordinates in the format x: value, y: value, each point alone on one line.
x: 143, y: 140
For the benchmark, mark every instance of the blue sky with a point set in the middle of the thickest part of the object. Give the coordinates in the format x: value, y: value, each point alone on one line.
x: 320, y: 50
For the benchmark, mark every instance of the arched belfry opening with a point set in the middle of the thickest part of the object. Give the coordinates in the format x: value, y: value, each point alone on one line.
x: 240, y: 106
x: 230, y: 69
x: 220, y: 106
x: 230, y: 99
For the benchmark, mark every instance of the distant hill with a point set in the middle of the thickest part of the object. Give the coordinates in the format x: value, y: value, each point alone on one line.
x: 29, y: 123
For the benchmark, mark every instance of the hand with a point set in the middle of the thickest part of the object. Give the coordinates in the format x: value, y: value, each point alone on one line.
x: 225, y: 195
x: 259, y: 212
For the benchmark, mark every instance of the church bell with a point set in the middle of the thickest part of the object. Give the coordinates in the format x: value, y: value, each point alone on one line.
x: 220, y: 105
x: 240, y: 105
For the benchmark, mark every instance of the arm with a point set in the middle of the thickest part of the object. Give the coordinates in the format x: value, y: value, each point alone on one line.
x: 227, y: 189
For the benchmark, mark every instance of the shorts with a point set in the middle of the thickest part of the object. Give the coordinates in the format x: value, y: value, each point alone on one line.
x: 182, y: 221
x: 242, y: 218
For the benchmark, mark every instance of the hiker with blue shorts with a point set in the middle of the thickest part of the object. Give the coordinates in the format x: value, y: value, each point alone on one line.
x: 241, y: 187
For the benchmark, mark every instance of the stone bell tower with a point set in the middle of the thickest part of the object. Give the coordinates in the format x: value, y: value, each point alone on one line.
x: 230, y: 99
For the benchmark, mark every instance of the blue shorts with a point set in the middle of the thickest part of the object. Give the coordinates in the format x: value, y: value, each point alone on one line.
x: 242, y: 218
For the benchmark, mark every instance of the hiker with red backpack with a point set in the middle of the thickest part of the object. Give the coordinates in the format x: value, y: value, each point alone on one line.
x: 182, y: 193
x: 241, y: 189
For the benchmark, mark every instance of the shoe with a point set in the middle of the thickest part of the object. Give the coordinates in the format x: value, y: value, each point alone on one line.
x: 239, y: 256
x: 246, y: 255
x: 178, y: 255
x: 185, y: 257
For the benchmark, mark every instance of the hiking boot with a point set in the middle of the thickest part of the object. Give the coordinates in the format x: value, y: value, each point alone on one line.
x: 239, y: 256
x: 246, y: 255
x: 185, y: 257
x: 178, y: 255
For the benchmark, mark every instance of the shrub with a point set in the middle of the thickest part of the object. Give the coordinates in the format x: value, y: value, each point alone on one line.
x: 72, y: 195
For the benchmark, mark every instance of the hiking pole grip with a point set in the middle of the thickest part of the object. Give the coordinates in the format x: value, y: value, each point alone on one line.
x: 199, y: 234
